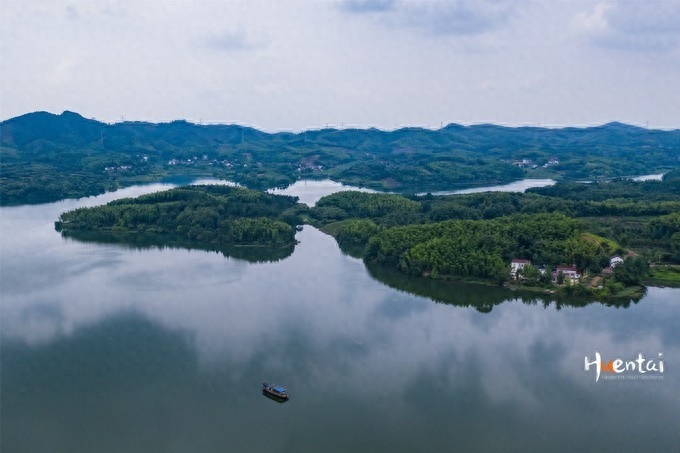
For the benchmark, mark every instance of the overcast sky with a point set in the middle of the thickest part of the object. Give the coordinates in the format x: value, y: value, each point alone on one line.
x: 384, y: 63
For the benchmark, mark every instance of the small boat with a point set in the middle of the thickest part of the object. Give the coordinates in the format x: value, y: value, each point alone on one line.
x: 299, y: 227
x: 276, y: 399
x: 275, y: 390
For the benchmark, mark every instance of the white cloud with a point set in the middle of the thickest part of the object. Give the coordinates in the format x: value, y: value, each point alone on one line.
x: 459, y: 17
x: 633, y: 25
x: 231, y: 40
x: 367, y: 6
x: 295, y: 65
x: 593, y: 21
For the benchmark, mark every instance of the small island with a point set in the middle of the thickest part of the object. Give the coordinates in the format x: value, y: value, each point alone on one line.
x: 208, y: 216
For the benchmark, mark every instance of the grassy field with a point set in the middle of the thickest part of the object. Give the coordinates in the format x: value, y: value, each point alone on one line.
x: 664, y: 276
x: 334, y: 227
x: 593, y: 238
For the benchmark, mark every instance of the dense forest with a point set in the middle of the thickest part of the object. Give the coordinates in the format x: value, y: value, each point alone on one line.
x: 641, y: 215
x: 46, y: 157
x: 215, y: 215
x: 477, y: 235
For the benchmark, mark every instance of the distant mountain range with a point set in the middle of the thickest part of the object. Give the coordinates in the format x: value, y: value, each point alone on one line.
x: 47, y: 157
x: 39, y: 129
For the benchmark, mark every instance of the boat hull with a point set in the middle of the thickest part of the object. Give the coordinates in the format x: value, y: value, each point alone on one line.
x: 271, y: 390
x: 273, y: 397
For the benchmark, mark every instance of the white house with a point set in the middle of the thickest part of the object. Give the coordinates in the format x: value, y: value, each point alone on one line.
x: 615, y: 261
x: 568, y: 271
x: 516, y: 265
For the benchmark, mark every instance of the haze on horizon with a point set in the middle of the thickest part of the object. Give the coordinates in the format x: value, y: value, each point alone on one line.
x: 352, y: 63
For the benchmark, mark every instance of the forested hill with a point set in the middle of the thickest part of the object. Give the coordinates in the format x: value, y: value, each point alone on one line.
x: 32, y: 131
x: 46, y: 157
x: 210, y: 215
x: 477, y: 235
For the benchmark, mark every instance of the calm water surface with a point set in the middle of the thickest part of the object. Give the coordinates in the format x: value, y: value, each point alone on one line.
x: 107, y: 348
x: 654, y: 177
x: 310, y: 191
x: 516, y: 186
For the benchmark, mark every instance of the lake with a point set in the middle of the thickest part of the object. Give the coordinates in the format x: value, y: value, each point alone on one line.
x: 654, y: 177
x: 310, y: 191
x: 110, y: 348
x: 516, y: 186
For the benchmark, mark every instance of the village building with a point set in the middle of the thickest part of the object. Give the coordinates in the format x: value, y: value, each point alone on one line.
x: 569, y: 272
x: 615, y: 261
x: 516, y: 265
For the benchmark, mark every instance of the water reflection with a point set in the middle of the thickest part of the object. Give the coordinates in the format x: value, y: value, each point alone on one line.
x: 516, y: 186
x: 399, y: 383
x: 252, y: 254
x: 481, y: 297
x: 310, y: 191
x: 112, y: 348
x: 653, y: 177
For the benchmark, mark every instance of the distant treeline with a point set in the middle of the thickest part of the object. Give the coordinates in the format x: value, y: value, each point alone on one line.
x: 219, y: 215
x: 46, y: 157
x: 617, y: 198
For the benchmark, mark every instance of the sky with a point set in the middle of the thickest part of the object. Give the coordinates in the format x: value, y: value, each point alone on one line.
x: 295, y: 65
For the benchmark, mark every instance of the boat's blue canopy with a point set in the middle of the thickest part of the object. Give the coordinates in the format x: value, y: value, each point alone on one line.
x: 280, y: 389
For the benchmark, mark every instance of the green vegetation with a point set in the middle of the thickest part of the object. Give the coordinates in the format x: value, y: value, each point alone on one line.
x: 213, y: 215
x: 478, y: 248
x: 663, y: 276
x: 485, y: 298
x: 46, y: 157
x: 631, y: 271
x: 471, y: 237
x: 477, y: 235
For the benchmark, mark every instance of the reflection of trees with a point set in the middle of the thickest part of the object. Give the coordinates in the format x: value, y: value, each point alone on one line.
x: 253, y: 254
x: 482, y: 298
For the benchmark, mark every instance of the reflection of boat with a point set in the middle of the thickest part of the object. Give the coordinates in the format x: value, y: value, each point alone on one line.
x: 279, y: 393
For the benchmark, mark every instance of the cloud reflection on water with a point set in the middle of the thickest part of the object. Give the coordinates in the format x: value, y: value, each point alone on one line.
x: 319, y: 318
